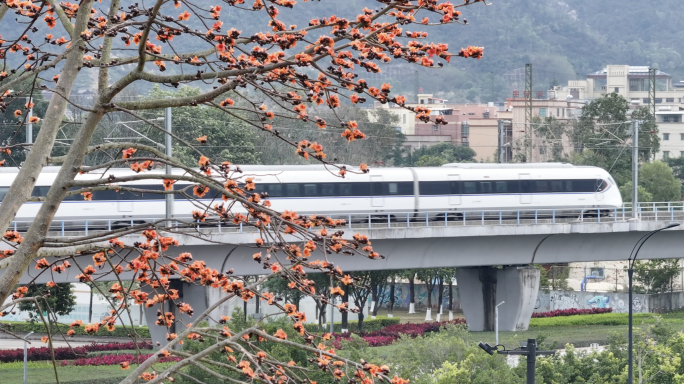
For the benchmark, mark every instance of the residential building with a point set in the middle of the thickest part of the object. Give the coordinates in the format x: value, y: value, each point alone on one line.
x: 473, y: 125
x: 632, y: 82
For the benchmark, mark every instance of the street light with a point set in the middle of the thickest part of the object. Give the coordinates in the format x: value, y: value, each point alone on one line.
x: 25, y: 356
x: 527, y: 349
x: 630, y: 272
x: 496, y: 322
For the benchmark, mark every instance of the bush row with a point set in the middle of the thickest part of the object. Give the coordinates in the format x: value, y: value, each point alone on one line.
x: 119, y: 331
x: 603, y: 319
x: 115, y: 359
x: 368, y: 325
x: 572, y: 312
x: 389, y: 334
x: 65, y: 353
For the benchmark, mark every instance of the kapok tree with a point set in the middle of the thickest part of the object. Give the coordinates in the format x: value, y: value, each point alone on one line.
x: 251, y: 78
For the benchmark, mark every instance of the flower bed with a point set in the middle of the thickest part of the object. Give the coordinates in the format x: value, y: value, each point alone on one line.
x: 66, y: 353
x: 572, y: 312
x: 389, y: 334
x: 115, y: 359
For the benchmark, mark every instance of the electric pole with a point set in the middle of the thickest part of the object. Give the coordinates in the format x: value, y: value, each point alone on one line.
x: 528, y: 112
x: 652, y: 91
x: 635, y: 169
x: 169, y: 170
x: 501, y: 142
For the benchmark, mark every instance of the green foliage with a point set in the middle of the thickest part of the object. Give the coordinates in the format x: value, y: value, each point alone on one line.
x: 61, y: 300
x: 369, y: 325
x: 600, y: 319
x: 437, y: 155
x: 422, y: 360
x: 626, y: 191
x: 656, y: 275
x: 553, y: 278
x: 658, y: 179
x: 57, y: 329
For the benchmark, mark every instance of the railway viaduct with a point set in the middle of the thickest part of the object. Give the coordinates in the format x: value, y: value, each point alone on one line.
x: 473, y: 245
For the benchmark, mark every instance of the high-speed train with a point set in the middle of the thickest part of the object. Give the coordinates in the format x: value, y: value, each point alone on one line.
x: 312, y: 189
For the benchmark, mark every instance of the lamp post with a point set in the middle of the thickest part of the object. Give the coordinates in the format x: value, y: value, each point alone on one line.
x: 630, y: 273
x: 527, y: 349
x: 25, y: 356
x: 496, y: 322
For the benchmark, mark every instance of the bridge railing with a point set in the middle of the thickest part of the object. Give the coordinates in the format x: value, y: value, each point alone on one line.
x: 659, y: 211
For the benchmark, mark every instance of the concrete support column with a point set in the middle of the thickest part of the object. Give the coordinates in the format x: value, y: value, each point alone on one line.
x: 481, y: 288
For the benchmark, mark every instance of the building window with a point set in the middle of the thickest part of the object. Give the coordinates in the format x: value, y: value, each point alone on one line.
x: 666, y: 136
x: 670, y: 118
x: 658, y: 100
x: 681, y: 136
x: 435, y: 128
x: 597, y: 272
x: 422, y: 101
x: 666, y: 154
x: 542, y: 112
x: 465, y: 129
x: 681, y: 153
x: 617, y: 90
x: 669, y: 100
x: 646, y: 101
x: 557, y: 112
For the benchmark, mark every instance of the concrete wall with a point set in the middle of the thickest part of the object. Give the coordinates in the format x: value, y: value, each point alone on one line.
x: 554, y: 300
x: 665, y: 302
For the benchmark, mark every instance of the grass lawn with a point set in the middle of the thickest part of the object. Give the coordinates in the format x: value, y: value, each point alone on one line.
x: 43, y: 373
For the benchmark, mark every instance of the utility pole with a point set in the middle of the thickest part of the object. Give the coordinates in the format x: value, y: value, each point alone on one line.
x: 501, y: 142
x: 652, y: 91
x: 29, y: 125
x: 528, y: 112
x: 635, y: 169
x: 528, y: 349
x: 169, y: 170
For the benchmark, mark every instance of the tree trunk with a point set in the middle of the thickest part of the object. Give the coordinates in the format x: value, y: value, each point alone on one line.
x: 23, y: 184
x: 451, y: 295
x: 412, y: 289
x: 440, y: 291
x: 374, y: 295
x: 391, y: 298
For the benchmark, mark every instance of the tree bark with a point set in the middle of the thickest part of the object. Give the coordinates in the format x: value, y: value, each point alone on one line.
x: 412, y: 289
x: 90, y: 305
x: 440, y: 291
x: 391, y: 298
x: 451, y: 295
x: 345, y: 315
x: 23, y: 184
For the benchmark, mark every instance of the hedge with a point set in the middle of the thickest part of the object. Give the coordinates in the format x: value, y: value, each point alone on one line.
x: 572, y: 312
x: 369, y: 325
x: 602, y: 319
x: 26, y: 327
x: 42, y: 353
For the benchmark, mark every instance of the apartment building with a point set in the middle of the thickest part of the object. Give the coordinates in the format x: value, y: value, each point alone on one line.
x: 473, y: 125
x: 632, y: 82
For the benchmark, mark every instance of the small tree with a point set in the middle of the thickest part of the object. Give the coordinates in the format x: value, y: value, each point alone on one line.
x: 655, y: 276
x: 58, y: 299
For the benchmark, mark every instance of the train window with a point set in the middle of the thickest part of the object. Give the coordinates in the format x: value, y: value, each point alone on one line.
x: 485, y: 187
x: 310, y: 190
x: 501, y: 187
x: 393, y: 188
x: 524, y: 186
x: 469, y: 187
x: 600, y: 185
x: 556, y: 185
x: 568, y: 186
x: 275, y: 190
x: 361, y: 189
x: 434, y: 188
x: 345, y: 189
x: 328, y: 189
x: 583, y: 185
x: 293, y: 190
x: 541, y: 186
x: 454, y: 187
x: 3, y: 192
x: 405, y: 188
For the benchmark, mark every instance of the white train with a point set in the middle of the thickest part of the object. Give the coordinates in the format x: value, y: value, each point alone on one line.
x: 453, y: 188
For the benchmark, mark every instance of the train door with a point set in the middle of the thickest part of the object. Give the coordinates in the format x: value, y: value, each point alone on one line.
x: 377, y: 199
x: 525, y: 188
x: 125, y: 202
x: 454, y: 189
x: 598, y: 187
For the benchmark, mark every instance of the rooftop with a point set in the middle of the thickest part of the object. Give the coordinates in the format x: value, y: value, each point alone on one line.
x: 633, y: 70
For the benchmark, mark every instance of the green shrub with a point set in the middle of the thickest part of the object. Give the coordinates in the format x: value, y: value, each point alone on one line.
x: 119, y: 331
x: 369, y: 325
x: 602, y: 319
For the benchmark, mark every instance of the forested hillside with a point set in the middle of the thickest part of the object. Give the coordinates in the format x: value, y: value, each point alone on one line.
x: 561, y: 39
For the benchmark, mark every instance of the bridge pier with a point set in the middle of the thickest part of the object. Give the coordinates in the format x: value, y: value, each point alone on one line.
x: 482, y: 288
